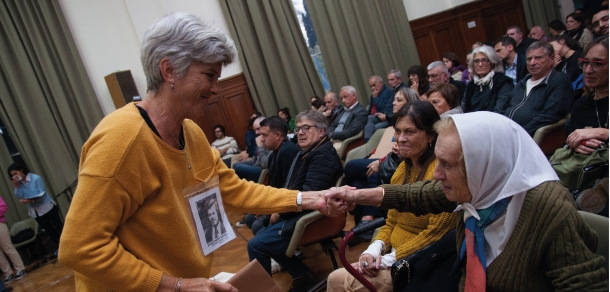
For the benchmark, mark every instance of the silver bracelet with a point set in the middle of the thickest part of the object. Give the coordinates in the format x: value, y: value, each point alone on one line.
x: 179, y: 284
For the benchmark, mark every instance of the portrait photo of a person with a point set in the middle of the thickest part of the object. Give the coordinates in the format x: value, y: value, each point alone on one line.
x: 211, y: 219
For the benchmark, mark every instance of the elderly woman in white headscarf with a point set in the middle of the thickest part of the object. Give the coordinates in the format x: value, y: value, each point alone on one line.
x: 519, y: 230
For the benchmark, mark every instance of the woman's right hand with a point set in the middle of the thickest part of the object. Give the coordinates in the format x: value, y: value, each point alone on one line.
x: 556, y: 60
x: 395, y: 148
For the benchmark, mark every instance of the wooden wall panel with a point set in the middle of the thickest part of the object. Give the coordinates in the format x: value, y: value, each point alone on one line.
x: 231, y: 108
x: 448, y: 31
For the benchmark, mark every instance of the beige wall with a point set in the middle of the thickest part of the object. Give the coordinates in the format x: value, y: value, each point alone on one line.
x: 107, y: 34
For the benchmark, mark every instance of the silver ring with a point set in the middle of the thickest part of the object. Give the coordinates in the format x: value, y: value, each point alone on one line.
x: 364, y: 264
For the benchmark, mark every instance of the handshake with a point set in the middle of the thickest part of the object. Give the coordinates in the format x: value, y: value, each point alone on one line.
x: 336, y: 201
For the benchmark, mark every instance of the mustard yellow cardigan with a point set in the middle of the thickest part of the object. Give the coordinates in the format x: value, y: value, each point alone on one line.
x: 128, y: 223
x: 408, y: 233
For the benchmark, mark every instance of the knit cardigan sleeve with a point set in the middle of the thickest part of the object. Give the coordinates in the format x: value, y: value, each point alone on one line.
x: 439, y: 225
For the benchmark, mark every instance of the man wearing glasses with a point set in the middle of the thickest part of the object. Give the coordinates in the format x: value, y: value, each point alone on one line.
x: 439, y: 74
x: 543, y: 97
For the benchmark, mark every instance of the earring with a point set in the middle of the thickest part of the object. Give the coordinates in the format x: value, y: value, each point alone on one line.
x: 172, y: 82
x: 430, y: 144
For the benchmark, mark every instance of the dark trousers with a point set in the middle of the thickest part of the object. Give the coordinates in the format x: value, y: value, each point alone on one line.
x: 51, y: 222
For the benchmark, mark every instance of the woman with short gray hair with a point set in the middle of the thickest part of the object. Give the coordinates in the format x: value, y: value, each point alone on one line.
x: 129, y: 227
x: 489, y: 89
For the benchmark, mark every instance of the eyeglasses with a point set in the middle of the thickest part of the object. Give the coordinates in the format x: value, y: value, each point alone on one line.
x: 595, y: 65
x: 483, y: 61
x: 305, y: 128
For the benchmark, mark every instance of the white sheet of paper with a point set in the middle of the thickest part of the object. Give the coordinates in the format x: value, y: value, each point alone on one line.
x: 213, y: 226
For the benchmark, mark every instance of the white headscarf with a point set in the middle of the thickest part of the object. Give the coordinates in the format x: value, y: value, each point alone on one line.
x: 502, y: 161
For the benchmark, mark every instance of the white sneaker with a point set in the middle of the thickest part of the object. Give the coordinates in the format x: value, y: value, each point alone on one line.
x: 275, y: 267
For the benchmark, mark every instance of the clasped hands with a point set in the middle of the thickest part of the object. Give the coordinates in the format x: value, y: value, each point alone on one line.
x: 336, y: 201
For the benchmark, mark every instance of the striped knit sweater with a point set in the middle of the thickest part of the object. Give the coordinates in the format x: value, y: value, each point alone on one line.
x: 408, y: 233
x: 551, y: 248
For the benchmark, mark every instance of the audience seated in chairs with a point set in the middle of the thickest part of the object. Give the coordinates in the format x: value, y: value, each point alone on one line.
x: 380, y: 107
x: 444, y: 98
x: 364, y: 173
x: 576, y: 28
x: 535, y: 240
x: 316, y: 167
x: 588, y: 125
x: 350, y: 120
x: 404, y: 232
x: 490, y: 89
x: 545, y: 96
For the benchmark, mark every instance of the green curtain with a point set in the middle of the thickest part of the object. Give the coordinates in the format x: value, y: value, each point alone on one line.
x: 360, y: 38
x: 540, y: 12
x: 273, y: 54
x: 47, y: 101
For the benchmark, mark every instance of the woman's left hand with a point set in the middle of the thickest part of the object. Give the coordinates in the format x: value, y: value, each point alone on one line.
x: 368, y: 264
x: 373, y: 167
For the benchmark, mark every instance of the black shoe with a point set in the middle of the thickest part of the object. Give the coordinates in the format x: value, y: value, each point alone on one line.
x: 241, y: 223
x: 305, y: 282
x: 8, y: 279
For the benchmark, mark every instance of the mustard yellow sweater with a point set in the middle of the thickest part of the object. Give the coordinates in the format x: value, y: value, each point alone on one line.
x: 128, y: 223
x: 408, y: 233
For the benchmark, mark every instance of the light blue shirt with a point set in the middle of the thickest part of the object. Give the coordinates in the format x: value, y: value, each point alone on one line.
x: 33, y: 187
x: 512, y: 71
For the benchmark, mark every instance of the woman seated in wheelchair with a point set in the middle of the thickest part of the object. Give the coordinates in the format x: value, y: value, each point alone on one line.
x: 588, y: 126
x: 404, y: 233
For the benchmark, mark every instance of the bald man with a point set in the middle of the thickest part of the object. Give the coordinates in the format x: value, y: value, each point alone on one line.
x: 537, y: 33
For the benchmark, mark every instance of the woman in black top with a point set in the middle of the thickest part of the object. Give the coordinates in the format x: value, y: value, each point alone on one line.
x: 567, y: 51
x: 489, y: 89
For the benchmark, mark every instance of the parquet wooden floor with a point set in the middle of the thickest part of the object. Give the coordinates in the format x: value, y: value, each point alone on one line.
x: 54, y: 277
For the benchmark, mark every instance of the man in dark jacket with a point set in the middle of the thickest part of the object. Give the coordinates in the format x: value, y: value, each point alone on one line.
x: 273, y: 132
x: 316, y: 167
x: 439, y: 74
x: 543, y: 97
x: 351, y: 120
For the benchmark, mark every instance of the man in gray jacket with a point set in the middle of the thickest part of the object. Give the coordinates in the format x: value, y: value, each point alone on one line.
x: 351, y: 120
x: 544, y: 96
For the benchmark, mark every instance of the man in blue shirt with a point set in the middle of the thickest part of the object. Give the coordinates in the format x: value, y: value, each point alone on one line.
x: 380, y: 107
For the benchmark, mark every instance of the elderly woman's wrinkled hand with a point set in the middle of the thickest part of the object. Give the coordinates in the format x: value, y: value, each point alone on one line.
x: 334, y: 206
x: 367, y: 264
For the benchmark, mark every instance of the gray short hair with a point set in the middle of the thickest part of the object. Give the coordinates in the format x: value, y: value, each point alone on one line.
x: 318, y: 118
x: 438, y: 64
x: 350, y: 89
x: 182, y: 38
x: 396, y: 73
x: 548, y: 49
x: 377, y: 78
x: 409, y: 94
x: 496, y: 63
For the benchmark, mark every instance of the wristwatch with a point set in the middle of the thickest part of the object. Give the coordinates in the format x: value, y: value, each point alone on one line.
x: 299, y: 201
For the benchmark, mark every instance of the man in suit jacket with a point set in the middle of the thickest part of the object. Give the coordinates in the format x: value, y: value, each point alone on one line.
x: 214, y: 229
x: 350, y: 120
x: 515, y: 65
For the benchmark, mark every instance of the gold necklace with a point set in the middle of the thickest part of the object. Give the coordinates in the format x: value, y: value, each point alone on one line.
x: 180, y: 142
